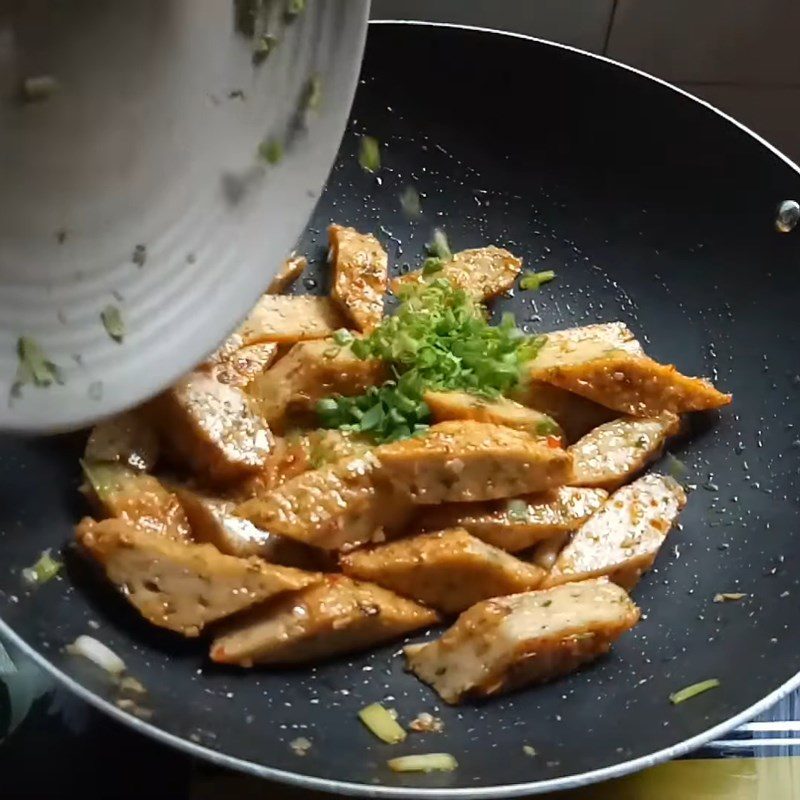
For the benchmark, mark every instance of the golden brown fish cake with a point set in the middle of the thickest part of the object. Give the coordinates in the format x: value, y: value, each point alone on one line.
x: 337, y: 616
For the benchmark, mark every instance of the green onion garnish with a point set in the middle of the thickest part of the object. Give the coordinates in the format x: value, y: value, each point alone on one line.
x: 263, y: 47
x: 439, y: 339
x: 271, y: 150
x: 439, y: 246
x: 428, y: 762
x: 369, y: 155
x: 294, y: 8
x: 313, y: 93
x: 112, y: 322
x: 410, y: 202
x: 517, y: 510
x: 43, y: 570
x: 34, y: 366
x: 688, y: 692
x: 531, y: 281
x: 342, y: 337
x: 432, y: 265
x: 380, y: 721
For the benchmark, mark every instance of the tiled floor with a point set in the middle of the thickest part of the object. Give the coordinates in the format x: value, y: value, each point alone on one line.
x: 740, y: 55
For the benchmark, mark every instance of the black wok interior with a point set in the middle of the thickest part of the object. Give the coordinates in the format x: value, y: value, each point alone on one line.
x: 652, y: 209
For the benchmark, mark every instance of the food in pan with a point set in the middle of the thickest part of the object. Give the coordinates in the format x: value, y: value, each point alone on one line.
x: 333, y: 478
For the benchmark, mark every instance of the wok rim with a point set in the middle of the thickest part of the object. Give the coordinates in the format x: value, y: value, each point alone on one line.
x: 343, y: 787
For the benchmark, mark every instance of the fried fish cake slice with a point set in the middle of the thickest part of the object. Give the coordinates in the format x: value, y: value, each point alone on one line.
x: 212, y: 520
x: 622, y: 539
x: 508, y: 642
x: 127, y: 439
x: 138, y: 498
x: 574, y: 414
x: 611, y: 454
x: 482, y: 272
x: 447, y: 570
x: 360, y: 275
x: 460, y: 461
x: 243, y: 365
x: 212, y: 428
x: 516, y: 524
x: 180, y: 586
x: 341, y: 505
x: 309, y: 372
x: 585, y: 343
x: 290, y: 271
x: 337, y: 616
x: 498, y: 410
x: 631, y: 384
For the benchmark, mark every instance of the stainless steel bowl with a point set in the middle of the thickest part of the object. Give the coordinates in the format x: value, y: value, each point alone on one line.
x: 157, y: 161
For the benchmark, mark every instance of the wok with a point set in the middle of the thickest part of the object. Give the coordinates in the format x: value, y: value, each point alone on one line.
x: 653, y: 208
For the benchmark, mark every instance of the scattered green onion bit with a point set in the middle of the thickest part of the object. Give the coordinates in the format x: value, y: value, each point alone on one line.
x: 410, y: 202
x: 34, y: 366
x: 43, y: 570
x: 263, y: 47
x: 380, y: 722
x: 139, y: 255
x: 531, y: 281
x: 294, y: 8
x: 548, y: 427
x: 688, y: 692
x: 342, y: 337
x: 313, y: 93
x: 529, y: 750
x: 676, y: 468
x: 726, y: 597
x: 428, y: 762
x: 112, y: 322
x: 369, y: 155
x: 39, y: 88
x: 431, y: 265
x: 271, y: 150
x: 517, y: 510
x: 439, y: 246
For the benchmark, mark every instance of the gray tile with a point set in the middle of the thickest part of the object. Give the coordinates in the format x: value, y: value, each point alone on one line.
x: 710, y: 40
x: 580, y: 23
x: 772, y: 112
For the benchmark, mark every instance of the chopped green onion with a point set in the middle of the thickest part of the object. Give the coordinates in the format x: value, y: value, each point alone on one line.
x: 112, y: 322
x: 139, y: 255
x: 43, y: 570
x: 725, y: 597
x: 432, y: 265
x: 313, y: 93
x: 380, y: 722
x: 38, y: 88
x: 271, y: 150
x: 410, y: 202
x: 439, y: 339
x: 263, y: 47
x: 517, y: 510
x: 369, y: 155
x: 688, y: 692
x: 548, y: 427
x: 531, y: 281
x: 439, y: 246
x: 529, y: 750
x: 676, y: 468
x: 294, y: 8
x: 342, y: 337
x: 429, y: 762
x: 34, y: 366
